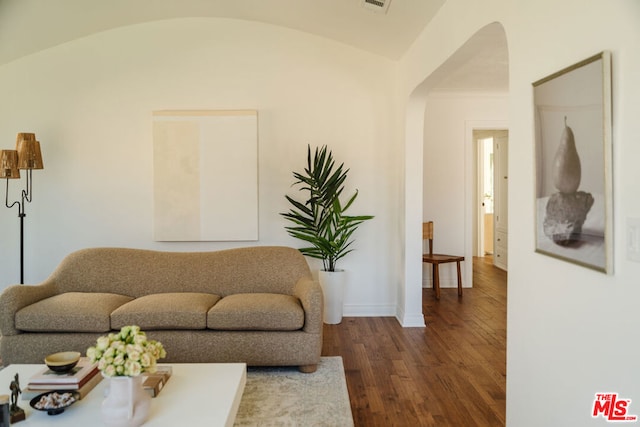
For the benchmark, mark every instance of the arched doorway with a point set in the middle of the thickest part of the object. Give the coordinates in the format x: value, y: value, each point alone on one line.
x: 478, y: 64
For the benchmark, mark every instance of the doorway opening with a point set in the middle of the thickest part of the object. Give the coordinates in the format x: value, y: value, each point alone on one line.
x: 478, y: 68
x: 486, y: 195
x: 491, y: 147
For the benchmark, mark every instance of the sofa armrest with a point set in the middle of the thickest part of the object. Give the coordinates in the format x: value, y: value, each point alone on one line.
x: 16, y: 297
x: 309, y: 293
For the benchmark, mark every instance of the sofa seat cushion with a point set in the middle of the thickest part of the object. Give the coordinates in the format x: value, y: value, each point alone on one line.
x: 70, y: 312
x: 172, y: 310
x: 258, y: 312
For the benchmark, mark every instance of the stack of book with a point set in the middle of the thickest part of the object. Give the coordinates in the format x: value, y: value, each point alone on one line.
x: 154, y: 382
x: 81, y: 379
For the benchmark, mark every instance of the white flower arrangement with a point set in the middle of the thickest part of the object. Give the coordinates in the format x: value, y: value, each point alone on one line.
x: 127, y: 353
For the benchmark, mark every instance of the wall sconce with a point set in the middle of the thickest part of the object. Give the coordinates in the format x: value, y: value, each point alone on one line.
x: 26, y: 156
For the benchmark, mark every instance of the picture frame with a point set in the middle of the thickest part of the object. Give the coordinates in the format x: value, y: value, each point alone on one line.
x: 205, y: 181
x: 573, y: 164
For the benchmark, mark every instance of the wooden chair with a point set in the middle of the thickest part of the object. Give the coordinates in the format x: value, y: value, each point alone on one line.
x: 436, y: 259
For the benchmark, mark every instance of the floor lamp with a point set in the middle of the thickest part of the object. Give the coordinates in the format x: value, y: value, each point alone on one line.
x: 26, y: 156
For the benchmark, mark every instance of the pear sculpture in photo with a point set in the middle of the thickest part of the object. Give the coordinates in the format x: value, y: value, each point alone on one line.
x: 567, y: 209
x: 567, y: 171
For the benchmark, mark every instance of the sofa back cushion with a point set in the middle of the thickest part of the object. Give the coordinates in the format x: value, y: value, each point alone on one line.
x: 139, y: 272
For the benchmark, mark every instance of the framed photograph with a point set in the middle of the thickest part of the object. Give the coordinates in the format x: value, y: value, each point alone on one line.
x: 573, y: 164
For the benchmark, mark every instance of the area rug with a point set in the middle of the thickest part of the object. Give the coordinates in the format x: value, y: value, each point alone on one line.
x: 287, y: 397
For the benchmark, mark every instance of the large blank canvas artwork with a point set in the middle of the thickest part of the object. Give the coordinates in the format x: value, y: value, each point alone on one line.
x: 205, y: 175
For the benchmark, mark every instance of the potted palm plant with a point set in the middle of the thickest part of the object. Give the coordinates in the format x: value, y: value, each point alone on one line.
x: 320, y: 220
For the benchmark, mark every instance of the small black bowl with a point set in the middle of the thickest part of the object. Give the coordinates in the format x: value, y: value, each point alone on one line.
x: 57, y: 410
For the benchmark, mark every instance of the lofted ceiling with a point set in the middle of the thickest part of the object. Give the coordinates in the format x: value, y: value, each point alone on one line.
x: 29, y: 26
x: 479, y: 65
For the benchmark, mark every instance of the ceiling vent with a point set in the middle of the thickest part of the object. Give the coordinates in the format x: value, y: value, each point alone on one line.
x: 379, y: 6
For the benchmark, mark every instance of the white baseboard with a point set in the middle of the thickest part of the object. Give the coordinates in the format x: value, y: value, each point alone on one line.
x: 384, y: 310
x: 372, y: 310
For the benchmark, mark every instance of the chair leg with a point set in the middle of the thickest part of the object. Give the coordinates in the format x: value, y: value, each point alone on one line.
x: 436, y: 280
x: 433, y: 276
x: 459, y: 280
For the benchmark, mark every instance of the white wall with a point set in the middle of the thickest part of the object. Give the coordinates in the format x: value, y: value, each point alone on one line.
x: 90, y: 101
x: 571, y: 330
x: 449, y: 118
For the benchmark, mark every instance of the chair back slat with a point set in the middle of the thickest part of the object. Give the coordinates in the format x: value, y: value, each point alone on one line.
x: 427, y: 234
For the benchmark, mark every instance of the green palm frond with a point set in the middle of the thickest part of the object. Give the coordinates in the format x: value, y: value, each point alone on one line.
x: 320, y: 220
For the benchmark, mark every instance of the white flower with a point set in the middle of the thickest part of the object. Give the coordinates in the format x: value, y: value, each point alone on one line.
x: 126, y: 353
x: 140, y: 338
x: 92, y: 354
x: 132, y: 368
x: 102, y: 343
x: 145, y: 360
x: 110, y: 371
x: 134, y: 355
x: 118, y: 360
x: 109, y: 353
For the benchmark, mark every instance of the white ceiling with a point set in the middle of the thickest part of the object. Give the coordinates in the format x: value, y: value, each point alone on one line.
x: 28, y: 26
x: 479, y: 65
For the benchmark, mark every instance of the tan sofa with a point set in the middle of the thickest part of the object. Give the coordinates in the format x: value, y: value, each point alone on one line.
x: 257, y: 305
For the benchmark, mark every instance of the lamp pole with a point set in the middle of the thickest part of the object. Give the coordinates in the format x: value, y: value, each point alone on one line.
x: 22, y: 215
x: 26, y: 197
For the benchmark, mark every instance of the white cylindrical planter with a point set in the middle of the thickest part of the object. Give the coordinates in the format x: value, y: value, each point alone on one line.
x: 332, y: 283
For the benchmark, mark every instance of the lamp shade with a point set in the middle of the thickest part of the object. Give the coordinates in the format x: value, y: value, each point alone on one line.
x: 9, y: 164
x: 29, y: 155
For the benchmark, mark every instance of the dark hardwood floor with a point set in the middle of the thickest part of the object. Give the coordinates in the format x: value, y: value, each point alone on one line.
x: 451, y: 373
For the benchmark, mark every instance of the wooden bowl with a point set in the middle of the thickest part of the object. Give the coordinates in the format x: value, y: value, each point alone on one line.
x: 63, y: 361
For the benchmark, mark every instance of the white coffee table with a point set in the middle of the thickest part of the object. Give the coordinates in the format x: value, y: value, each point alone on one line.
x: 197, y: 394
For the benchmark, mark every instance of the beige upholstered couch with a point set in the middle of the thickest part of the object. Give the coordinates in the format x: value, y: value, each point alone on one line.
x: 257, y: 305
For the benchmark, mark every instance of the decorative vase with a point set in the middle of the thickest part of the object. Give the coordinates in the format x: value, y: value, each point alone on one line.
x: 126, y: 404
x: 332, y: 283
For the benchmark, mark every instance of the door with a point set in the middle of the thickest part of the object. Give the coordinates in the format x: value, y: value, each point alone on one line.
x: 492, y: 194
x: 501, y: 191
